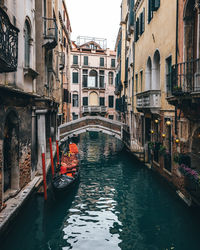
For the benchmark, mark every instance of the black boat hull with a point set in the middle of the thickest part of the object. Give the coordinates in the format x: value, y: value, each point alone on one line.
x: 64, y: 183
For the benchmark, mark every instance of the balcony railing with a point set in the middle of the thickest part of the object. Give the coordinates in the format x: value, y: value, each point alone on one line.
x: 149, y: 99
x: 94, y: 109
x: 184, y: 78
x: 8, y: 44
x: 50, y: 32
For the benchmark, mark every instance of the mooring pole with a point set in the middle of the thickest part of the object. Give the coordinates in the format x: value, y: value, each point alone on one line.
x: 44, y: 175
x: 57, y: 149
x: 51, y: 153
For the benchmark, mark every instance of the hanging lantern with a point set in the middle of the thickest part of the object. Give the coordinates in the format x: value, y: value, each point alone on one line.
x: 152, y: 132
x: 156, y: 121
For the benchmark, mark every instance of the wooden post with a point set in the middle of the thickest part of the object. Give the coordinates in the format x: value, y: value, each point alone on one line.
x: 44, y: 176
x: 51, y: 153
x: 57, y: 149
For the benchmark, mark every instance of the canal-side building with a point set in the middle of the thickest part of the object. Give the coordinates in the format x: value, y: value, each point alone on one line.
x: 183, y: 94
x: 33, y: 71
x: 93, y: 75
x: 65, y: 66
x: 17, y: 93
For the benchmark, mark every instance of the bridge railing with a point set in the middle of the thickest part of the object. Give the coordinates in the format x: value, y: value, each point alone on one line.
x: 99, y: 123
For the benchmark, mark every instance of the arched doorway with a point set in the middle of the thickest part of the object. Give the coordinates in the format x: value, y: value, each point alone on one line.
x: 156, y: 71
x: 11, y: 153
x: 93, y: 99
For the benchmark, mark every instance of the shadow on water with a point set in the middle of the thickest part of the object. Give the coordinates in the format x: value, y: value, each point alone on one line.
x: 118, y: 204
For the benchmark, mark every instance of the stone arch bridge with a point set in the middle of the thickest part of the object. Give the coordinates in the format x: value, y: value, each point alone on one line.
x: 90, y: 123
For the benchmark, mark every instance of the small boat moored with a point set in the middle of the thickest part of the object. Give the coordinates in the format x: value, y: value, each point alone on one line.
x: 68, y: 172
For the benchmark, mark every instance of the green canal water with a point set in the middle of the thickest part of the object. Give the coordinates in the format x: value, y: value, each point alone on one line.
x: 118, y: 204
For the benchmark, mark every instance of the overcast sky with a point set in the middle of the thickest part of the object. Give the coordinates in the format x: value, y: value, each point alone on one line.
x: 96, y: 18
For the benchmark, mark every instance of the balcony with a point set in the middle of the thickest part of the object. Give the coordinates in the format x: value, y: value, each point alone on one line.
x: 8, y: 44
x: 149, y: 101
x: 184, y: 82
x: 50, y: 33
x: 94, y: 109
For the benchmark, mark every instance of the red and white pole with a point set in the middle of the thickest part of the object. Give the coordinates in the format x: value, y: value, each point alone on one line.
x: 51, y: 153
x: 44, y: 175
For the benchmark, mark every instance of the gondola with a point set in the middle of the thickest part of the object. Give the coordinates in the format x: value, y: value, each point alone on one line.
x: 68, y: 171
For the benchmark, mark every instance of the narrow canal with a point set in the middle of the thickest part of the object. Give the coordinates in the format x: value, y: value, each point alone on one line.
x: 118, y: 204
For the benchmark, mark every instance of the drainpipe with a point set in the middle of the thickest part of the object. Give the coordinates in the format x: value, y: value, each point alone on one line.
x: 176, y: 57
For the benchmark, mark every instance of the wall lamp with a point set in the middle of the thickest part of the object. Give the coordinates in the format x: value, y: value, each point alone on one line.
x: 156, y: 121
x: 163, y: 135
x: 177, y: 140
x: 168, y: 122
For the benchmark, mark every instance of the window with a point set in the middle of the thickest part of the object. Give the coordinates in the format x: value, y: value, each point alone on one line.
x: 153, y: 5
x: 113, y: 63
x: 93, y: 79
x: 102, y: 101
x: 101, y: 79
x: 85, y: 78
x: 141, y: 80
x: 110, y: 101
x: 85, y: 101
x: 110, y: 78
x: 75, y: 100
x: 101, y: 61
x: 111, y: 117
x: 137, y: 29
x: 27, y: 37
x: 75, y: 60
x: 168, y: 74
x: 136, y: 83
x: 141, y: 22
x: 75, y: 116
x: 75, y: 77
x: 85, y: 62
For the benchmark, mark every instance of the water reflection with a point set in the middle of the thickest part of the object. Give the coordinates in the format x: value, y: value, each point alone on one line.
x: 118, y: 204
x: 91, y: 219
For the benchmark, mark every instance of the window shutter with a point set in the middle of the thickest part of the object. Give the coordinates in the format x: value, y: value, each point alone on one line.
x: 156, y: 4
x: 75, y: 77
x: 149, y: 10
x: 143, y: 20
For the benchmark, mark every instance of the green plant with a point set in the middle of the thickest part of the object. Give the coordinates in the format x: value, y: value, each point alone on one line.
x: 162, y: 150
x: 151, y: 145
x: 177, y: 88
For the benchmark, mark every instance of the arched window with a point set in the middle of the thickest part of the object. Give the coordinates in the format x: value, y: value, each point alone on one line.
x: 93, y: 79
x: 156, y: 71
x: 110, y: 78
x: 148, y: 75
x: 190, y: 26
x: 27, y: 38
x: 93, y: 99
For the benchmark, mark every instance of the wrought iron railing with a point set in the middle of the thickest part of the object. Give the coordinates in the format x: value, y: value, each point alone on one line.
x: 8, y: 44
x: 184, y: 78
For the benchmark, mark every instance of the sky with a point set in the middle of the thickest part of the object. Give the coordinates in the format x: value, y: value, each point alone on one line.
x: 95, y: 18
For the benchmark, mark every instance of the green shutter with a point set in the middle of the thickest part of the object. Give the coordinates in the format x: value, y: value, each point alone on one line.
x: 75, y: 77
x: 156, y: 4
x: 85, y: 60
x: 143, y: 20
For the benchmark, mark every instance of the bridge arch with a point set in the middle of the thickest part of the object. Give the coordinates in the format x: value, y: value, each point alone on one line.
x: 90, y: 123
